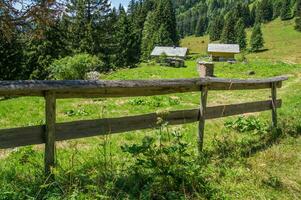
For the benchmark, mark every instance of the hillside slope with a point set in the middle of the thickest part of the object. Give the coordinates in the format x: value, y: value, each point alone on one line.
x: 282, y: 42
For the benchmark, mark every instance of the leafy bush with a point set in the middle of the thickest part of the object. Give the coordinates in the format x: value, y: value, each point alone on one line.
x: 155, y: 101
x: 273, y: 181
x: 80, y: 112
x: 75, y: 67
x: 163, y: 170
x: 246, y: 124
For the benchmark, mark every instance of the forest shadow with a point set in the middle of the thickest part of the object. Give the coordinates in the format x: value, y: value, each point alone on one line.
x: 262, y: 50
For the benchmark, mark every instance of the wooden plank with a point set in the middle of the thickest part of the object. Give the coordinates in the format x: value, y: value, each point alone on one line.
x: 202, y: 117
x: 91, y: 89
x: 274, y: 107
x: 50, y: 111
x: 10, y: 138
x: 16, y: 137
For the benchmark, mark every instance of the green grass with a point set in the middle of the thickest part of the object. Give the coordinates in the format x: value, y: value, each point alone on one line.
x: 235, y: 165
x: 282, y: 42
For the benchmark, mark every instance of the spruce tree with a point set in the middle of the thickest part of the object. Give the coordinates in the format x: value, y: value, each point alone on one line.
x: 253, y: 15
x: 216, y: 28
x: 267, y: 10
x: 137, y: 15
x: 123, y: 39
x: 148, y: 33
x: 277, y: 9
x: 285, y: 13
x: 228, y: 34
x: 161, y: 20
x: 298, y: 16
x: 193, y: 24
x: 257, y: 41
x: 201, y: 26
x: 242, y: 11
x: 259, y: 14
x: 11, y: 62
x: 241, y: 36
x: 89, y: 25
x: 246, y: 15
x: 162, y: 37
x: 165, y: 13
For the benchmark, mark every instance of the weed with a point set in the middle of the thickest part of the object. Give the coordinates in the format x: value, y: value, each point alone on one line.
x: 247, y: 124
x: 273, y: 181
x: 80, y: 112
x: 155, y: 101
x: 137, y: 102
x: 165, y: 170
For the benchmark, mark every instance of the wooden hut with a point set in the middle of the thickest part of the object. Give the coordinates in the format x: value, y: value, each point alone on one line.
x: 223, y: 52
x: 173, y: 56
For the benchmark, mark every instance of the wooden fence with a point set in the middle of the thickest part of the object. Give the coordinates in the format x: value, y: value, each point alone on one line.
x: 52, y: 90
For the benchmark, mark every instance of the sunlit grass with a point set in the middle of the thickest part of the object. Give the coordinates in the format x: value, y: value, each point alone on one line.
x: 255, y: 176
x: 282, y: 42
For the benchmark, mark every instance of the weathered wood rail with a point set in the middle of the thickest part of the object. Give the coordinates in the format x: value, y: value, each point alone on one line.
x: 51, y: 132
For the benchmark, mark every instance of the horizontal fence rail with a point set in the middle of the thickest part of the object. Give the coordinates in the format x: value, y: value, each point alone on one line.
x: 80, y: 129
x: 51, y: 132
x: 91, y: 89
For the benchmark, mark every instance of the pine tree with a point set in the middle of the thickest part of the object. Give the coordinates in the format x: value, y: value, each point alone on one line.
x: 241, y: 36
x: 162, y: 37
x: 89, y: 25
x: 298, y: 16
x: 165, y: 13
x: 257, y: 41
x: 193, y: 24
x: 216, y: 28
x: 259, y: 14
x: 253, y: 15
x: 246, y: 15
x: 277, y: 9
x: 242, y: 11
x: 267, y: 10
x: 160, y: 21
x: 11, y: 62
x: 201, y: 26
x: 123, y: 39
x: 148, y: 35
x: 228, y: 34
x: 137, y: 14
x: 285, y: 13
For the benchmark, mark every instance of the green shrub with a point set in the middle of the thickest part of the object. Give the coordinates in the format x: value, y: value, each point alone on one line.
x: 164, y: 169
x: 80, y: 112
x: 273, y: 181
x: 75, y: 67
x: 155, y: 101
x: 246, y: 124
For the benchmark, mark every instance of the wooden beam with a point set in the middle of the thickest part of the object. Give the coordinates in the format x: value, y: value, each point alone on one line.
x: 274, y: 107
x: 202, y: 117
x: 50, y: 128
x: 93, y: 89
x: 15, y: 137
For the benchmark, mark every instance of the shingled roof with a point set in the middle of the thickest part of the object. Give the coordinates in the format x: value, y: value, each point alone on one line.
x: 224, y: 48
x: 170, y: 51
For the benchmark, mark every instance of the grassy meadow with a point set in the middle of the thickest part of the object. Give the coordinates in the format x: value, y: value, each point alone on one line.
x: 282, y: 42
x: 242, y: 158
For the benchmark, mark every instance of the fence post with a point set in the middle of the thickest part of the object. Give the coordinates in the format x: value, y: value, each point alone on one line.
x: 205, y: 69
x: 274, y: 106
x: 203, y: 105
x: 50, y: 112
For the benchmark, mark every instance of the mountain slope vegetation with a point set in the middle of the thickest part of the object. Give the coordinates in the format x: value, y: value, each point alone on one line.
x: 282, y: 43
